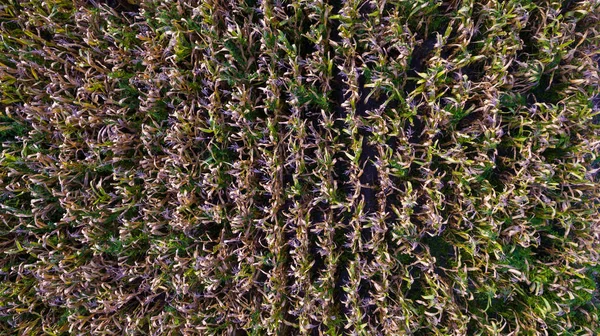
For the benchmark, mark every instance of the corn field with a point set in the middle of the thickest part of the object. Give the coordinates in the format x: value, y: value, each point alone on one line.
x: 299, y: 167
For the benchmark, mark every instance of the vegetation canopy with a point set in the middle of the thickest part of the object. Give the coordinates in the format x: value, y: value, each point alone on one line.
x: 299, y: 167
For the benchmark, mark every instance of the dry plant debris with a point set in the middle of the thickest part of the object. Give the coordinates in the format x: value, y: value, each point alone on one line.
x: 299, y: 167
